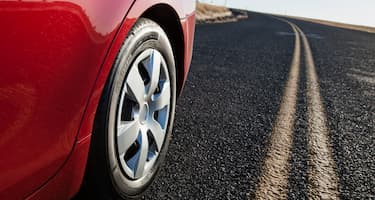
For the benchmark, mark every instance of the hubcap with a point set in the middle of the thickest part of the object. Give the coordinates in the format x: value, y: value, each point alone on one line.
x: 143, y: 113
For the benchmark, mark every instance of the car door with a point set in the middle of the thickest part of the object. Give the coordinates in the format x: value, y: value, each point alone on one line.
x: 50, y: 55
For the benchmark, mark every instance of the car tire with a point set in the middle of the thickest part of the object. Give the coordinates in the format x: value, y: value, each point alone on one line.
x: 113, y: 171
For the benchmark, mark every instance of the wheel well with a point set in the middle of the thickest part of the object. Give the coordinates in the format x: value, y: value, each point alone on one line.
x: 167, y: 18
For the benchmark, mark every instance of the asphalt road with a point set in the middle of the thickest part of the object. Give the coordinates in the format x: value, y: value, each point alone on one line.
x: 226, y: 117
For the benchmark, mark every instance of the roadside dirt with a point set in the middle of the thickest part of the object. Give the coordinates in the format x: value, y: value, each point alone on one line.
x: 206, y: 13
x: 337, y: 24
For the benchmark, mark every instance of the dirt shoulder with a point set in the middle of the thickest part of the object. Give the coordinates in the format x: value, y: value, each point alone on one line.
x: 207, y: 13
x: 336, y: 24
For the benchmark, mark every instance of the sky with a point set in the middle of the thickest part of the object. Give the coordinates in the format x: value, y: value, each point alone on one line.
x: 359, y: 12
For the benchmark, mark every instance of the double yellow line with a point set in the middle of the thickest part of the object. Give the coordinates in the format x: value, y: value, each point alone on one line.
x: 322, y: 177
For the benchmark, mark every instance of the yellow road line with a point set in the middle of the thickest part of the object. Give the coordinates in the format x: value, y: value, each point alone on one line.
x: 323, y: 181
x: 322, y: 176
x: 273, y: 182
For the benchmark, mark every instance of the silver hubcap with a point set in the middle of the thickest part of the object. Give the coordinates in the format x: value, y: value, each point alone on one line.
x: 143, y: 114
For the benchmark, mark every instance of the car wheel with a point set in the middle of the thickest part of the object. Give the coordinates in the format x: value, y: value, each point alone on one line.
x: 135, y: 116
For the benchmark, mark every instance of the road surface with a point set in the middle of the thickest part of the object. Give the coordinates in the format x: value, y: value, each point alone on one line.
x: 267, y: 114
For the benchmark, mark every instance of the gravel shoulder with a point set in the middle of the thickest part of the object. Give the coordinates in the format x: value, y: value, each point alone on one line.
x: 207, y: 13
x: 335, y: 24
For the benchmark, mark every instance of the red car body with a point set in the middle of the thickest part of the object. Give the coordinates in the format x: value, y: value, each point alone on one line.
x: 55, y: 57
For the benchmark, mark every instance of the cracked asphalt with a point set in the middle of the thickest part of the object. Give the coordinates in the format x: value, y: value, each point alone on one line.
x: 226, y: 114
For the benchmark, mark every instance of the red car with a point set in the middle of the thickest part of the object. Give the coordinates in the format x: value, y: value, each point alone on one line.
x: 88, y: 92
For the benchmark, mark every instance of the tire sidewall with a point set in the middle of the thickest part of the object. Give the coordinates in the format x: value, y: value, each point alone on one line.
x: 145, y: 35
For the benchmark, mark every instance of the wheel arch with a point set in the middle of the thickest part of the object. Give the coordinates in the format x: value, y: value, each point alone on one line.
x: 168, y: 19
